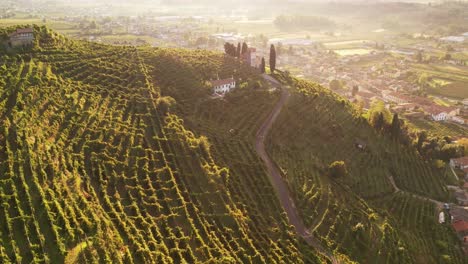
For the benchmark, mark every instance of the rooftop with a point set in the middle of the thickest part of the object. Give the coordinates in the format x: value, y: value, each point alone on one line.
x: 462, y: 160
x: 460, y: 225
x: 222, y: 82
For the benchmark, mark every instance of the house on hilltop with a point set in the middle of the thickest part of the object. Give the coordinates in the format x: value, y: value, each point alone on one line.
x: 22, y: 37
x: 223, y: 86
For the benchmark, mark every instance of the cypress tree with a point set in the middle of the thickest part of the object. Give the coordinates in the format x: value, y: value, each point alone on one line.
x: 395, y: 128
x: 245, y: 48
x: 272, y: 58
x: 379, y: 122
x: 262, y: 66
x: 238, y: 51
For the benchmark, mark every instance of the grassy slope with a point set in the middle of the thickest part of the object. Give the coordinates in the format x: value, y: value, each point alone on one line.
x: 315, y: 129
x: 87, y: 156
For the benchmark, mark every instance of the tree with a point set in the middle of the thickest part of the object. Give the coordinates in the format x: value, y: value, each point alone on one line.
x: 245, y: 48
x: 419, y: 56
x: 379, y: 122
x: 335, y: 85
x: 464, y: 143
x: 337, y: 169
x: 262, y: 66
x: 230, y: 49
x: 378, y: 114
x: 238, y: 51
x: 422, y: 136
x: 395, y: 128
x: 355, y: 90
x: 93, y: 25
x: 447, y: 56
x: 164, y: 103
x: 272, y: 58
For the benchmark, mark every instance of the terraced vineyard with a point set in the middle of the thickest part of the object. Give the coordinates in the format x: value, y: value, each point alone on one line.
x: 317, y: 128
x: 99, y: 165
x: 415, y: 217
x: 95, y: 169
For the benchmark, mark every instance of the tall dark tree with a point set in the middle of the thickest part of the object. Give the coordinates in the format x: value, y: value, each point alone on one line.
x: 272, y: 58
x: 395, y: 128
x: 238, y: 51
x: 379, y: 121
x: 355, y: 90
x: 245, y: 48
x: 262, y: 66
x: 230, y: 49
x: 422, y: 136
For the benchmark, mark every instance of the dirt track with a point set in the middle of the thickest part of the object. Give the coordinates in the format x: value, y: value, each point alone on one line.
x: 278, y: 183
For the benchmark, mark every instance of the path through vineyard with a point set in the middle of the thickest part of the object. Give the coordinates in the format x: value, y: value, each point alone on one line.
x: 278, y: 182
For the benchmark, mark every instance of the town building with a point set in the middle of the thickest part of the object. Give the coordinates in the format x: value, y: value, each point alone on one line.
x: 459, y: 163
x: 250, y: 58
x: 440, y: 113
x: 461, y: 227
x: 223, y: 86
x: 22, y: 37
x: 389, y: 96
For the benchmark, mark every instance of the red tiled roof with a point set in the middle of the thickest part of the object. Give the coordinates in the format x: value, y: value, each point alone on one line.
x: 222, y: 82
x: 460, y: 226
x: 24, y: 30
x: 462, y: 160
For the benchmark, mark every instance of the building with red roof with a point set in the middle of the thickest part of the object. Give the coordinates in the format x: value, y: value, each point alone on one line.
x: 223, y: 86
x: 461, y: 227
x: 22, y: 37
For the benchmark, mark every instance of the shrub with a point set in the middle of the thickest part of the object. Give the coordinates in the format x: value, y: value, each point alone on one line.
x: 164, y: 103
x: 337, y: 169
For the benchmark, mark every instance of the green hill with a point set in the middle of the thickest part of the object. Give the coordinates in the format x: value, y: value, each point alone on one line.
x: 119, y: 155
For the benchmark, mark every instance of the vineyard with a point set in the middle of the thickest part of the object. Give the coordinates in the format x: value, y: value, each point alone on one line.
x: 316, y: 128
x: 96, y: 169
x: 120, y: 155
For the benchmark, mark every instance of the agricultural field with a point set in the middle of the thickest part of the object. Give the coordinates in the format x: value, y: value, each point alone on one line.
x: 449, y: 81
x: 96, y: 166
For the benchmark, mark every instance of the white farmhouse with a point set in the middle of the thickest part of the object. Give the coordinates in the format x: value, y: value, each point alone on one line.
x: 223, y: 86
x: 440, y: 113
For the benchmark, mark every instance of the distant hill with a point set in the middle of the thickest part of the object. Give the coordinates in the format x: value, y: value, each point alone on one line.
x: 119, y: 154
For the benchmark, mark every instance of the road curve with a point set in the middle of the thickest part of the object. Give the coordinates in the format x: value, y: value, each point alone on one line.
x: 278, y: 183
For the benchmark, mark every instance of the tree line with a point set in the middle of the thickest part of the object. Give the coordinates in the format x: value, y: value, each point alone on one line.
x: 430, y: 148
x: 239, y: 50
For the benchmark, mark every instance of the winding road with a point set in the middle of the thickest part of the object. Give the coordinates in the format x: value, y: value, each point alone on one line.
x: 278, y: 183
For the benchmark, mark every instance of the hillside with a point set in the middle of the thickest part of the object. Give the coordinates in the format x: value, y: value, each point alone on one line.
x: 119, y: 155
x: 354, y: 213
x: 95, y: 169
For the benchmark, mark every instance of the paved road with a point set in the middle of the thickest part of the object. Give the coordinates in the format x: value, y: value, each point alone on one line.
x: 278, y: 183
